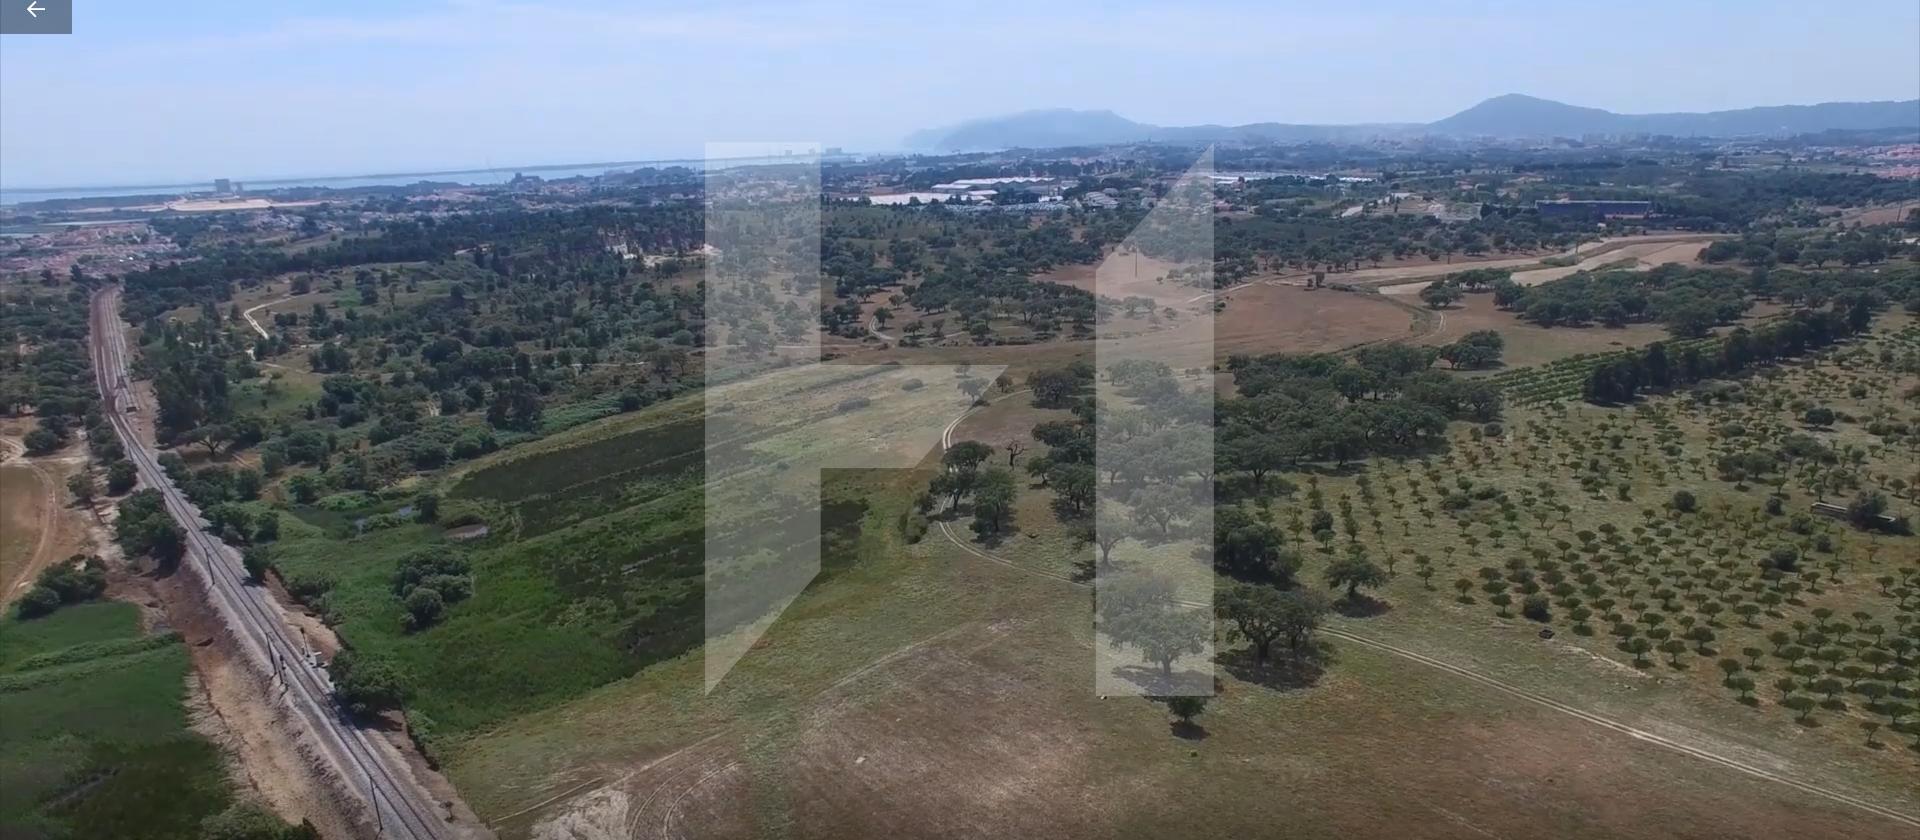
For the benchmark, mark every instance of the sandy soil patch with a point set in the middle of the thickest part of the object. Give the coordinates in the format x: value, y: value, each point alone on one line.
x: 212, y: 205
x: 40, y: 524
x: 1888, y: 215
x: 1647, y: 250
x: 1125, y: 274
x: 236, y: 710
x: 1267, y: 318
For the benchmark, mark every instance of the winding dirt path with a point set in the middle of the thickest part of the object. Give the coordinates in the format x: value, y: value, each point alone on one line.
x: 248, y: 314
x: 17, y: 582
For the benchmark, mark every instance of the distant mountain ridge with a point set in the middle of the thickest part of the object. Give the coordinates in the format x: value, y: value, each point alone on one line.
x: 1510, y: 116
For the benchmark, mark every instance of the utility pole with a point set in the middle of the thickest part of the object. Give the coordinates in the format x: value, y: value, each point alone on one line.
x: 379, y: 821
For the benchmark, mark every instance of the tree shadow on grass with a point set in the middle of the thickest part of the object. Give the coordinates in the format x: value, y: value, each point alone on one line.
x: 1187, y: 731
x: 995, y: 539
x: 1361, y: 606
x: 1154, y: 683
x: 1282, y: 672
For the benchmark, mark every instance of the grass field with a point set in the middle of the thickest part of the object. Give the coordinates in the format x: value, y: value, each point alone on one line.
x: 594, y: 566
x: 926, y: 691
x: 883, y: 704
x: 93, y: 734
x: 920, y: 689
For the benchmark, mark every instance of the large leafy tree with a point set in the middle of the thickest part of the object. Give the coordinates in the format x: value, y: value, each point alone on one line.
x: 1263, y: 615
x: 1355, y: 572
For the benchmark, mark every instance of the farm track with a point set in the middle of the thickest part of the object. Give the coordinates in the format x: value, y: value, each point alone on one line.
x: 946, y: 529
x: 251, y: 322
x: 1401, y: 275
x: 365, y: 769
x: 49, y: 512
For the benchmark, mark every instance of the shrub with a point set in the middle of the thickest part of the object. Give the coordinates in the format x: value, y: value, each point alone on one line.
x: 425, y: 607
x: 366, y: 685
x: 1536, y: 608
x: 79, y: 579
x: 255, y: 561
x: 121, y: 476
x: 1785, y: 558
x: 268, y: 528
x: 307, y: 587
x: 1865, y: 510
x: 452, y: 588
x: 434, y: 561
x: 1684, y: 501
x: 41, y: 442
x: 38, y: 601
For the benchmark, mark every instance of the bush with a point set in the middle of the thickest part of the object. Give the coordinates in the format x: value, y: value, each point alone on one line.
x: 121, y: 477
x: 41, y: 442
x: 425, y: 608
x: 914, y: 526
x: 853, y: 404
x: 1785, y: 558
x: 38, y: 601
x: 431, y: 562
x: 366, y: 685
x: 255, y: 561
x: 426, y: 508
x: 307, y: 587
x: 452, y: 588
x: 1536, y: 608
x: 1865, y: 510
x: 350, y: 500
x: 268, y: 528
x: 79, y: 579
x: 1684, y: 501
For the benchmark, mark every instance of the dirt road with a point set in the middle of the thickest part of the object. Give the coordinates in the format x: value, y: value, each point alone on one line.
x: 1643, y: 255
x: 35, y: 499
x: 1404, y: 275
x: 255, y: 324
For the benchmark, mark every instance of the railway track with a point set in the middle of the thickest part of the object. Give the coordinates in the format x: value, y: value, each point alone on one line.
x: 370, y: 771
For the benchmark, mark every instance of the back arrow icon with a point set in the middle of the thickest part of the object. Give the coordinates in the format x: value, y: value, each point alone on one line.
x: 34, y: 8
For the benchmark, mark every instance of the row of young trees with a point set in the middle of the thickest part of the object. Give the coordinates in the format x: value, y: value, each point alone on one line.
x: 1625, y: 375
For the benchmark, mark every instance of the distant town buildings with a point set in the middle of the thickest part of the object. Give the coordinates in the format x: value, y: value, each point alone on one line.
x: 1016, y: 189
x: 1454, y: 211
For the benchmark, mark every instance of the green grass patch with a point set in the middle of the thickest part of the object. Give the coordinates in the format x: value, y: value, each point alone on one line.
x: 95, y: 740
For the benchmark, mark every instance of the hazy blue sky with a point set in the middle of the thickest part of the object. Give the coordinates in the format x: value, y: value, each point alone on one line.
x: 192, y: 89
